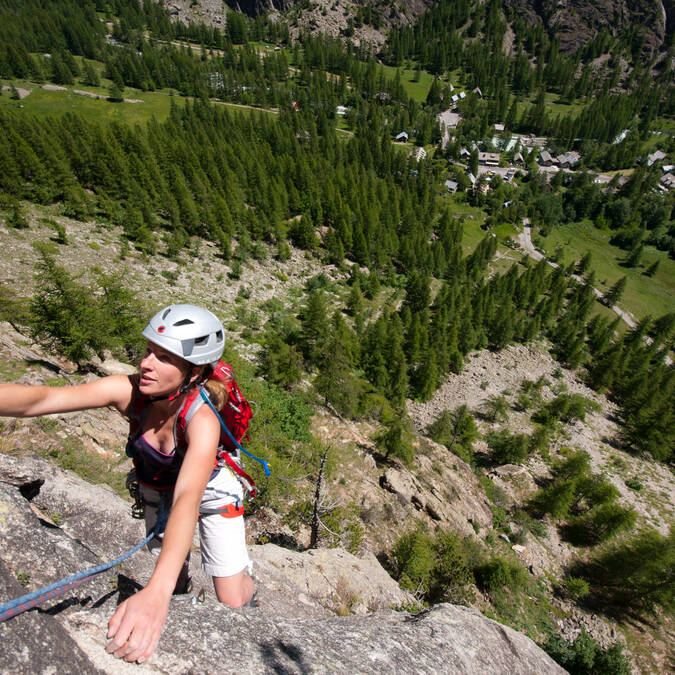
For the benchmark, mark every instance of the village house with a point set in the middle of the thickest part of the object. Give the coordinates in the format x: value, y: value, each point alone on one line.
x: 518, y: 159
x: 499, y: 128
x: 464, y: 153
x: 451, y: 185
x: 477, y: 91
x: 568, y: 160
x: 546, y: 159
x: 402, y: 137
x: 667, y: 182
x: 488, y: 158
x: 341, y: 110
x: 657, y: 156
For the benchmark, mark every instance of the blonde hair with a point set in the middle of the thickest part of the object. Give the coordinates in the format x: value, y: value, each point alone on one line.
x: 219, y: 390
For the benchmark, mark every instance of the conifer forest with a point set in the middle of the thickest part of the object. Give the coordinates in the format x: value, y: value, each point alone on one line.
x: 465, y: 183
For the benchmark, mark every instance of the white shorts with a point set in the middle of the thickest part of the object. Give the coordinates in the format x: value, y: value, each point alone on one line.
x: 222, y: 536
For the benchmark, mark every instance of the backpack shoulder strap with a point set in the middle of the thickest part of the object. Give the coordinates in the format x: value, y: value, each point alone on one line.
x: 187, y: 411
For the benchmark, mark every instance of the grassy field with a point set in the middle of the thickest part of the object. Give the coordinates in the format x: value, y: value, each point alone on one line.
x: 553, y: 106
x: 643, y: 295
x: 45, y: 102
x: 416, y: 90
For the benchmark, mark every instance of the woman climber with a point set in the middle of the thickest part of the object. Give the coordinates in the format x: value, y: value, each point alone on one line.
x: 186, y: 472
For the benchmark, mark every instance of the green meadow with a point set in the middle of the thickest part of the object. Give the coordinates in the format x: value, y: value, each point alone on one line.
x: 151, y: 104
x: 643, y: 296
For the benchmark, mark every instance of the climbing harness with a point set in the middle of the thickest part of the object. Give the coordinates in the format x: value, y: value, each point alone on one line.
x: 36, y: 598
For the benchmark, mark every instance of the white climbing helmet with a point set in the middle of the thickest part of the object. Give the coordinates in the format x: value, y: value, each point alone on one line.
x: 188, y: 331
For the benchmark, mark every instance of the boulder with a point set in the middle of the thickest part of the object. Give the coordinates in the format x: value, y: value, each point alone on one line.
x: 52, y: 524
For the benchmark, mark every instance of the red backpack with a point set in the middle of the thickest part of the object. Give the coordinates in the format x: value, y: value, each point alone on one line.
x: 236, y: 413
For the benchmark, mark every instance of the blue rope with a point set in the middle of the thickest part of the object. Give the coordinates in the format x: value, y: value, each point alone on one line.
x: 206, y: 398
x: 30, y: 600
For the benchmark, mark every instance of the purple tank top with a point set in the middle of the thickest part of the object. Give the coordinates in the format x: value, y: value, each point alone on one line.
x: 154, y: 468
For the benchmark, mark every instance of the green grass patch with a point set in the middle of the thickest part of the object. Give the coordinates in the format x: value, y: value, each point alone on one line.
x: 43, y: 102
x: 157, y: 104
x: 415, y: 90
x: 12, y: 370
x: 504, y: 231
x: 643, y: 295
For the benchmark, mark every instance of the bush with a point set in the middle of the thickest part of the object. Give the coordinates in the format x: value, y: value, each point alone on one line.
x: 586, y: 657
x: 633, y: 576
x: 508, y: 448
x: 555, y: 499
x: 395, y: 440
x: 438, y: 567
x: 575, y: 587
x: 565, y: 408
x: 500, y: 572
x: 456, y: 430
x: 414, y: 560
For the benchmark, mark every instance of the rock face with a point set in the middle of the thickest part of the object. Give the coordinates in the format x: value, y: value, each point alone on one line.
x: 52, y: 524
x: 577, y: 22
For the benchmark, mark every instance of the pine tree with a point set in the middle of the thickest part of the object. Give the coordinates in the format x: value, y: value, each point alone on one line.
x: 651, y: 270
x: 633, y: 258
x: 315, y: 327
x: 584, y: 263
x: 615, y: 293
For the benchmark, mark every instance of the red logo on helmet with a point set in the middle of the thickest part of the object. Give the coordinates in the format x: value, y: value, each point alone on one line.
x: 161, y: 329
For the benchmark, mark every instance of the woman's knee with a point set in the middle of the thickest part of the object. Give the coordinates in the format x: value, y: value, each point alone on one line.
x: 234, y: 591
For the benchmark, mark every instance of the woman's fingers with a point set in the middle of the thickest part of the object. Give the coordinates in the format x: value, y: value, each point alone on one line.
x: 136, y: 627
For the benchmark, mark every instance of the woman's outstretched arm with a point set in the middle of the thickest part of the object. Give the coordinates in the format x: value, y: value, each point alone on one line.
x: 20, y: 400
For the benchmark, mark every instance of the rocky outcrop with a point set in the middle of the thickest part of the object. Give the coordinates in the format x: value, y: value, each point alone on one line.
x: 577, y: 22
x: 53, y: 524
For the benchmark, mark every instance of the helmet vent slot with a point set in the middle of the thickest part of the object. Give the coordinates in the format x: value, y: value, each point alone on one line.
x: 184, y: 322
x: 201, y: 340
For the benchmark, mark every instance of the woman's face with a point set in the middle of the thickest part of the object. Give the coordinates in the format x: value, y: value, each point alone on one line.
x: 161, y: 372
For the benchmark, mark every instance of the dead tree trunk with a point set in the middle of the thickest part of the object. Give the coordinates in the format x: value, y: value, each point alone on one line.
x: 316, y: 517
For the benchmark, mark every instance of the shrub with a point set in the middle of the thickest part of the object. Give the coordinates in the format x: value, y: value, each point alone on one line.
x: 632, y: 576
x: 414, y: 560
x: 438, y: 567
x: 508, y: 448
x: 500, y: 572
x: 456, y: 430
x: 555, y: 499
x: 395, y: 440
x: 451, y: 575
x: 575, y: 587
x: 565, y: 408
x: 585, y: 656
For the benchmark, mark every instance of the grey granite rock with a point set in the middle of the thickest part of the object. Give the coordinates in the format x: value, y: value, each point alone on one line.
x: 293, y: 631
